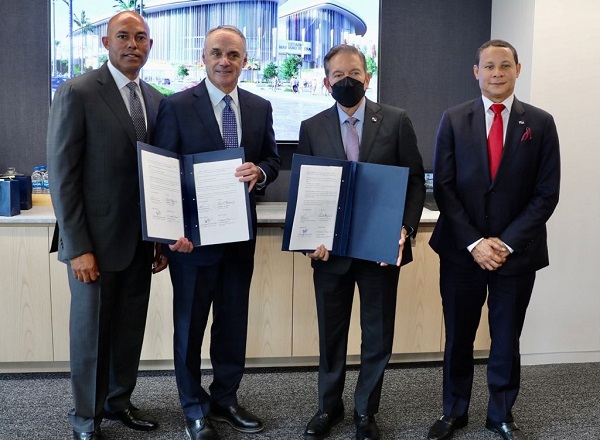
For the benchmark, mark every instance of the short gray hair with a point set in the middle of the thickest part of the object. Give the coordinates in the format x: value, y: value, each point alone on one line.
x: 229, y: 28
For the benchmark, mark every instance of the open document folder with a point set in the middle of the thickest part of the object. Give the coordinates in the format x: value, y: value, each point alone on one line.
x: 195, y: 196
x: 354, y: 208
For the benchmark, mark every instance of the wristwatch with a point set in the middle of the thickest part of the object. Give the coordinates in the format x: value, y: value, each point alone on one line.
x: 409, y: 230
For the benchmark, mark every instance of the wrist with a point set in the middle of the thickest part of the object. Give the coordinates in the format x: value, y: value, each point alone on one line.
x: 409, y: 230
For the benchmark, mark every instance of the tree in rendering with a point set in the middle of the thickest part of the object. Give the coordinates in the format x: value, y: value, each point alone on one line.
x: 291, y: 66
x: 270, y: 71
x: 85, y: 28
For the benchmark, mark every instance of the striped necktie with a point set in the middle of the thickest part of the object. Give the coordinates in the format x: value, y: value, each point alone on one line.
x: 136, y: 111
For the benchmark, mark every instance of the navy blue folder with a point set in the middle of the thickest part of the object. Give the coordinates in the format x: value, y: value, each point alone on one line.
x: 370, y: 208
x: 188, y: 188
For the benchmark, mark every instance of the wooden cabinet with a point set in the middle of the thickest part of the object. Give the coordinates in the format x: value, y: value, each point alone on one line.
x: 418, y: 310
x: 158, y: 337
x: 61, y: 300
x: 269, y: 326
x: 25, y: 313
x: 282, y: 323
x: 419, y: 305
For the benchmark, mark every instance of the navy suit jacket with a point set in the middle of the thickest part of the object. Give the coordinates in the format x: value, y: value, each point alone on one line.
x: 93, y: 169
x: 186, y: 124
x: 388, y: 138
x: 516, y: 205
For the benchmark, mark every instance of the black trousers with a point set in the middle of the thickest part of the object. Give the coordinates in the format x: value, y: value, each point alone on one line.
x: 464, y: 291
x: 334, y: 294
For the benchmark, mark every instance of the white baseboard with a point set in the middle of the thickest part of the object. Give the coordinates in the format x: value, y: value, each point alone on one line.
x: 560, y: 358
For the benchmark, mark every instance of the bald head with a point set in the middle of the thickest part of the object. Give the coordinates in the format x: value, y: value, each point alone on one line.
x: 128, y: 42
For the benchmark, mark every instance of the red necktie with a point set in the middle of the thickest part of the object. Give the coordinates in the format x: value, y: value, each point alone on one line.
x: 495, y: 139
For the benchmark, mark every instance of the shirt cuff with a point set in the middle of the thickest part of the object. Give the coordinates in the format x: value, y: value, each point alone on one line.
x: 263, y: 182
x: 472, y: 246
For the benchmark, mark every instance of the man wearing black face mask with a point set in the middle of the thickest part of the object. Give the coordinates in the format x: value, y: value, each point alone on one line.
x: 356, y: 128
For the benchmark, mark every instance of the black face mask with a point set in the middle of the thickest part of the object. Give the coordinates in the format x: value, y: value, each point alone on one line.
x: 348, y: 91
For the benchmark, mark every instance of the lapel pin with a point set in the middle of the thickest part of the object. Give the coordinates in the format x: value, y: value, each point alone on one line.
x: 374, y: 119
x: 521, y: 122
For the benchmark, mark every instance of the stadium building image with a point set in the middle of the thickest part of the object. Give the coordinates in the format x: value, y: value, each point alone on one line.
x: 274, y: 29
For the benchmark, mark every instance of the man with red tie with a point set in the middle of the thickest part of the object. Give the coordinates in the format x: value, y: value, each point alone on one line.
x: 496, y: 183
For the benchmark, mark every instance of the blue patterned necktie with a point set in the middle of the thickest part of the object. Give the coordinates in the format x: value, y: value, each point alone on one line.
x: 230, y: 134
x: 352, y: 142
x: 137, y: 113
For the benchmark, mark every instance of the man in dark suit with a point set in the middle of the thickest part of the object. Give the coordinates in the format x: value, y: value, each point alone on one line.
x: 384, y: 135
x: 491, y: 232
x: 195, y: 121
x: 92, y: 164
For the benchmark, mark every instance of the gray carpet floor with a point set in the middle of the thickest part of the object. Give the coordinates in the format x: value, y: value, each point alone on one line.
x: 556, y: 402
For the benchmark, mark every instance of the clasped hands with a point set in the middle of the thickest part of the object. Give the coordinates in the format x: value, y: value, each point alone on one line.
x: 321, y: 253
x: 490, y: 253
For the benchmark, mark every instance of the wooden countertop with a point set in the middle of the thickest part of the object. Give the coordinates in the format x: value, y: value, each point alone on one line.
x: 268, y: 213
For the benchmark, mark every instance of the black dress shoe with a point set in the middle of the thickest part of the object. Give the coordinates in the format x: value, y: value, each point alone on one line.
x: 507, y: 430
x: 366, y: 427
x: 240, y: 419
x: 200, y: 429
x: 319, y: 426
x: 133, y: 418
x: 86, y: 435
x: 445, y: 427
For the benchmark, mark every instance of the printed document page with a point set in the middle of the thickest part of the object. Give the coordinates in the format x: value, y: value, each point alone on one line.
x: 162, y: 196
x: 316, y: 207
x: 221, y: 200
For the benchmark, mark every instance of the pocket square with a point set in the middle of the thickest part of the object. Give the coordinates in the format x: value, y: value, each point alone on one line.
x: 527, y: 135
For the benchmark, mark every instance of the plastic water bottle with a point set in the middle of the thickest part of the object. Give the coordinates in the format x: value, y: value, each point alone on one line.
x: 45, y: 184
x: 36, y: 181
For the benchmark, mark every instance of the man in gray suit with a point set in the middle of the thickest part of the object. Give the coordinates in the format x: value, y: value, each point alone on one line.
x: 383, y: 135
x: 92, y: 163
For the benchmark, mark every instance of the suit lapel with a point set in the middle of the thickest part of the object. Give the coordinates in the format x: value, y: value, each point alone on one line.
x: 333, y: 131
x: 514, y: 131
x: 107, y: 88
x: 151, y: 109
x: 246, y: 115
x: 203, y: 106
x: 479, y: 139
x: 371, y: 124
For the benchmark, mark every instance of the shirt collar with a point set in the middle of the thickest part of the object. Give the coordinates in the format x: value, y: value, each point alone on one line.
x: 358, y: 114
x: 120, y: 79
x: 508, y: 102
x: 216, y: 95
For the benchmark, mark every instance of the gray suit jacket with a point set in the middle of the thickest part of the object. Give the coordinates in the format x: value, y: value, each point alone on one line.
x: 92, y: 168
x: 388, y: 138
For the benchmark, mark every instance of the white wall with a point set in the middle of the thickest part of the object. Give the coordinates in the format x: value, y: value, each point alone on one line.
x: 558, y: 48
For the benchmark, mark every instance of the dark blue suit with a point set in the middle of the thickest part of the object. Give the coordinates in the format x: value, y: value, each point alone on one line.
x: 514, y: 207
x: 217, y: 275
